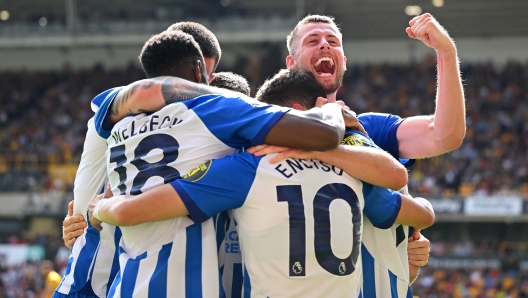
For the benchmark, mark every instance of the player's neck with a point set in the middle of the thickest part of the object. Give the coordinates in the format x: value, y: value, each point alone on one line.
x: 331, y: 97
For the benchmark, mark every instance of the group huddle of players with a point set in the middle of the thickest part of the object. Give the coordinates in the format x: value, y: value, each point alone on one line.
x: 212, y: 193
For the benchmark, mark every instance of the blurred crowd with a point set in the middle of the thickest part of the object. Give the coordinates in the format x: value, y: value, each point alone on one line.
x: 43, y: 117
x: 470, y: 283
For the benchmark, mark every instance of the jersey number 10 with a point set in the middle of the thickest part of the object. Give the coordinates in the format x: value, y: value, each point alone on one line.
x: 321, y: 214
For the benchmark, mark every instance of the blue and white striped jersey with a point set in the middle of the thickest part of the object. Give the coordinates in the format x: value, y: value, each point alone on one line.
x: 85, y: 273
x: 300, y: 221
x: 175, y: 257
x: 384, y: 251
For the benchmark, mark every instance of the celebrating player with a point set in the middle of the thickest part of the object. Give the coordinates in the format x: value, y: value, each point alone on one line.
x: 315, y: 44
x: 87, y: 274
x: 287, y: 251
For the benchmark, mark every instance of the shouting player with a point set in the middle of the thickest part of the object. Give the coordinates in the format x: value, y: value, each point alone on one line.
x: 315, y: 44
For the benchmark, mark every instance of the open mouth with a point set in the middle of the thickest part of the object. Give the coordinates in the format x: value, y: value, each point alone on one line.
x: 324, y: 66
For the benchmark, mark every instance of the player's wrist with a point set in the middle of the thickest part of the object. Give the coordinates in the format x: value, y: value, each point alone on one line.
x: 96, y: 210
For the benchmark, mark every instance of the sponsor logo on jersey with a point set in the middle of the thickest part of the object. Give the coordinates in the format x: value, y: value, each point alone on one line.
x: 356, y: 139
x: 198, y: 172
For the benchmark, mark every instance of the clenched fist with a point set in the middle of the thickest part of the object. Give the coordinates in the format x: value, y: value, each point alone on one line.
x: 427, y: 29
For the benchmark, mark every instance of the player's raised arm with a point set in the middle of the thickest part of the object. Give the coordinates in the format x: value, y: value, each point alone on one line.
x: 424, y: 136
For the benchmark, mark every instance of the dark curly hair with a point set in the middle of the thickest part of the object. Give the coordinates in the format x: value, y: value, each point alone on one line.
x: 204, y: 37
x: 170, y: 53
x: 291, y: 86
x: 231, y: 81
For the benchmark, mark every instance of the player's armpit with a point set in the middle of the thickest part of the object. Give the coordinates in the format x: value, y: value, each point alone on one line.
x: 416, y: 212
x: 151, y: 95
x: 160, y: 203
x: 317, y: 129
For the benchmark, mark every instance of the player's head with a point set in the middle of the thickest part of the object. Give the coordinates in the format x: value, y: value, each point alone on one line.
x: 205, y: 39
x: 231, y: 81
x: 315, y: 45
x: 291, y: 88
x: 173, y: 53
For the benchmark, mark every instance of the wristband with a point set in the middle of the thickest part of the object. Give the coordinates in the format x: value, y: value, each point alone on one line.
x: 95, y: 212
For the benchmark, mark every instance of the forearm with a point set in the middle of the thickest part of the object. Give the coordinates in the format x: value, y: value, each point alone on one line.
x: 160, y: 203
x: 450, y: 114
x: 370, y: 165
x: 151, y: 95
x: 317, y: 129
x: 416, y: 212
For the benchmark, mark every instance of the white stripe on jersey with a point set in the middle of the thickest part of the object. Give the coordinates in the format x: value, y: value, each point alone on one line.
x: 385, y: 265
x: 169, y: 270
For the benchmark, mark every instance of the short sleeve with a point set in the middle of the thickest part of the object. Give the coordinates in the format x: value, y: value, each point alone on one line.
x: 382, y: 129
x: 238, y: 120
x: 217, y: 185
x: 382, y: 205
x: 104, y: 100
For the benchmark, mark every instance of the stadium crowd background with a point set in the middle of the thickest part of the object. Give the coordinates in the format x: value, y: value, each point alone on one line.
x: 491, y: 161
x: 43, y: 116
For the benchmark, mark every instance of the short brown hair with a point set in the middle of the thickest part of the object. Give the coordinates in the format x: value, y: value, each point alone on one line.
x: 307, y: 20
x: 290, y: 86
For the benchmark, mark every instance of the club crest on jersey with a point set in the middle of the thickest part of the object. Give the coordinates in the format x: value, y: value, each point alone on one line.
x: 355, y: 139
x: 297, y: 268
x: 198, y: 172
x: 342, y: 268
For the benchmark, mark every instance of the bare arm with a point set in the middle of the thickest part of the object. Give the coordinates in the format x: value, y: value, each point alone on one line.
x: 159, y: 203
x: 371, y: 165
x: 416, y: 212
x: 425, y: 136
x: 320, y: 128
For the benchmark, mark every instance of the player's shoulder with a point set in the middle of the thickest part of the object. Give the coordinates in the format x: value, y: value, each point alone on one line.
x: 372, y: 116
x: 98, y: 100
x: 221, y: 100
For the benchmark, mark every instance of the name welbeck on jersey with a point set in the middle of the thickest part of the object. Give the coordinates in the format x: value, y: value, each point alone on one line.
x: 152, y: 124
x: 290, y: 167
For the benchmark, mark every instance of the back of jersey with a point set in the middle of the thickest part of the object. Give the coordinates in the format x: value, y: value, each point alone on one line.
x: 148, y: 151
x: 300, y: 230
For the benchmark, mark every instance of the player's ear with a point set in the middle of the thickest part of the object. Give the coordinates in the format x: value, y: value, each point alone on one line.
x: 200, y: 74
x: 344, y: 62
x: 298, y: 106
x: 290, y: 61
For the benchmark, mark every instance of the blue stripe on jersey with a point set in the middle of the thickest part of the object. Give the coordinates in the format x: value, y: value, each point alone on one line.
x: 115, y: 283
x: 193, y: 261
x: 85, y: 258
x: 130, y: 275
x: 369, y: 280
x: 73, y: 295
x: 382, y: 205
x: 360, y: 294
x: 393, y: 284
x: 409, y: 293
x: 247, y: 284
x: 236, y: 288
x: 100, y: 115
x: 263, y: 133
x: 222, y: 225
x: 236, y: 120
x: 115, y: 263
x: 158, y: 280
x: 195, y: 213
